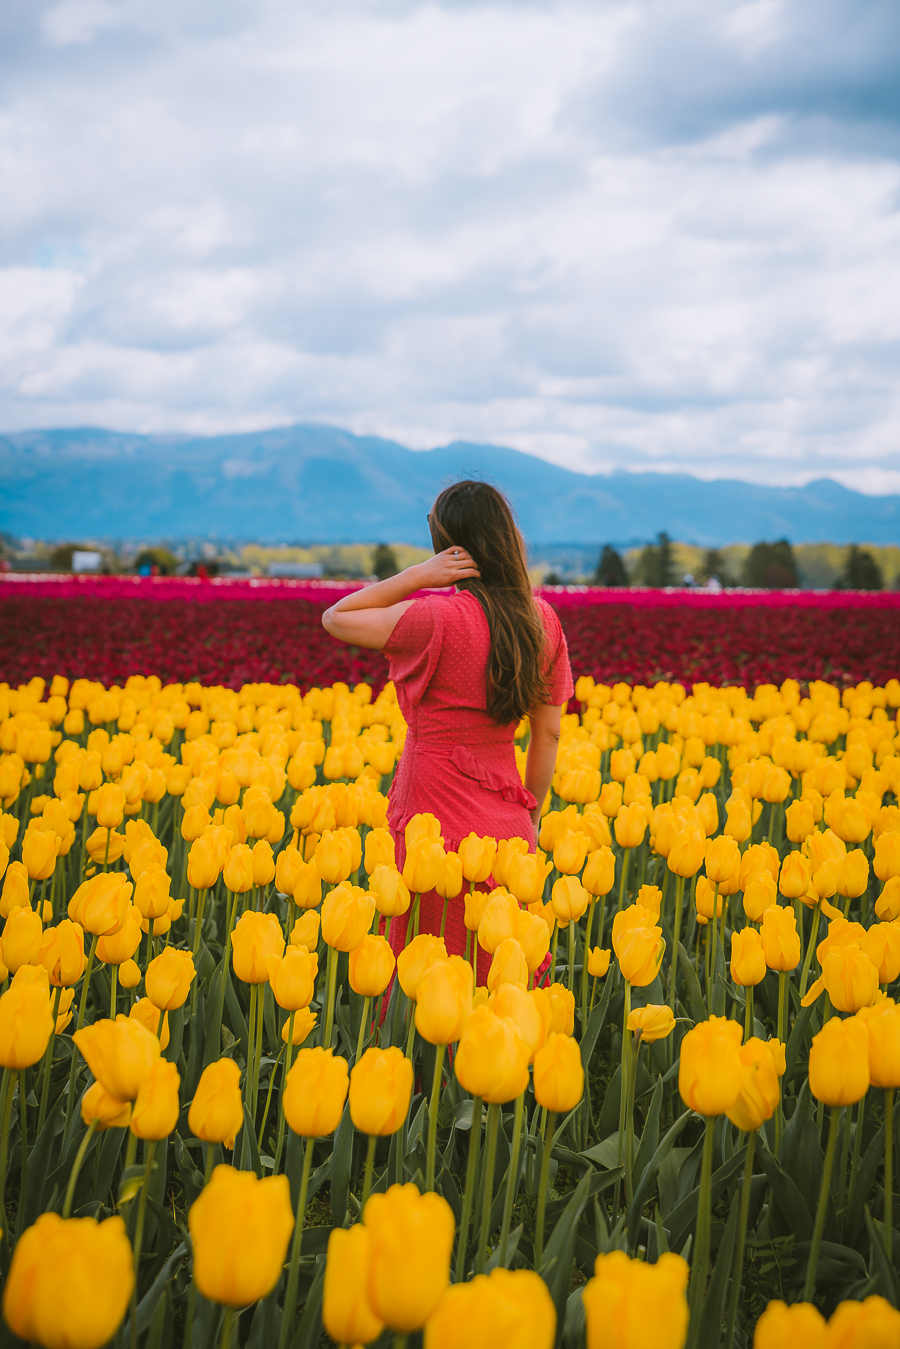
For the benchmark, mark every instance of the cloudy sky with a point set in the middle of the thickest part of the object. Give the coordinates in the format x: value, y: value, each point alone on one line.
x: 658, y: 234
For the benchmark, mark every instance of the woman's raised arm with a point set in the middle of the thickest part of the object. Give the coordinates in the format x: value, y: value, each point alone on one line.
x: 368, y: 616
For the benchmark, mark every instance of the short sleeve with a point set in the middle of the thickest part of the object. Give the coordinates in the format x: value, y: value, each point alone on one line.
x: 414, y: 647
x: 560, y: 687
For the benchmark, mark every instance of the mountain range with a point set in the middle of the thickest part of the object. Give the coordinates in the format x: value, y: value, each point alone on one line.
x: 319, y: 484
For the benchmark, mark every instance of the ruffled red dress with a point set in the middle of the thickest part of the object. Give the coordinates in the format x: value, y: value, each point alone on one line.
x: 457, y: 763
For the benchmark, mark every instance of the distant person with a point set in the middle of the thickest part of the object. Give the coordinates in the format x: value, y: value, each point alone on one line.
x: 467, y: 665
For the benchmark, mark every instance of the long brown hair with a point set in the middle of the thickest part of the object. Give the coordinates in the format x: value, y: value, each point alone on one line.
x: 477, y: 517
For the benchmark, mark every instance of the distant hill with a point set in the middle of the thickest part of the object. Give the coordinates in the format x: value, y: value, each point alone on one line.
x: 318, y: 484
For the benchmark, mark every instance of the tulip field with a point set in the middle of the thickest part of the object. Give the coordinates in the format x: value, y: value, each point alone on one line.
x: 651, y: 1103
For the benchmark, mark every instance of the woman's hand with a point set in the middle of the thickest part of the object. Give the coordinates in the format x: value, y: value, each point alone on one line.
x: 447, y: 569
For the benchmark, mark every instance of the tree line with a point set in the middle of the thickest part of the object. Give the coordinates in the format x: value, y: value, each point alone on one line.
x: 768, y: 566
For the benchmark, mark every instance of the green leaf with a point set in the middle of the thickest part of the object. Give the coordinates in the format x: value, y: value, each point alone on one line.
x: 796, y: 1041
x: 650, y: 1132
x: 881, y: 1263
x: 574, y: 1323
x: 130, y: 1184
x: 309, y: 1331
x: 785, y: 1194
x: 158, y: 1324
x: 341, y: 1162
x: 249, y: 1145
x: 865, y: 1179
x: 605, y: 1154
x: 692, y: 984
x: 651, y: 1169
x: 148, y: 1303
x: 461, y: 1114
x: 560, y: 1249
x: 712, y: 1311
x: 595, y: 1024
x: 684, y: 1214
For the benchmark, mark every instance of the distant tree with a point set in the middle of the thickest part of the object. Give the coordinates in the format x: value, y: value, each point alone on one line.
x: 861, y: 571
x: 656, y: 565
x: 610, y: 568
x: 553, y: 579
x: 161, y: 558
x: 771, y: 566
x: 713, y: 564
x: 384, y: 561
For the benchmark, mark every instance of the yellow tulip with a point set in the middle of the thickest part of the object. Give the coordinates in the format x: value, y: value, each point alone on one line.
x: 748, y: 961
x: 411, y: 1242
x: 416, y: 958
x: 381, y: 1086
x: 69, y: 1283
x: 293, y: 977
x: 255, y: 938
x: 156, y: 1107
x: 492, y: 1058
x: 119, y: 1053
x: 169, y: 977
x: 347, y: 914
x: 26, y: 1024
x: 346, y: 1314
x: 759, y: 1091
x: 629, y: 1302
x: 780, y: 939
x: 558, y: 1074
x: 371, y: 966
x: 240, y: 1228
x: 508, y: 966
x: 505, y: 1307
x: 709, y: 1072
x: 444, y: 1000
x: 315, y: 1092
x: 102, y: 1110
x: 217, y: 1112
x: 652, y: 1023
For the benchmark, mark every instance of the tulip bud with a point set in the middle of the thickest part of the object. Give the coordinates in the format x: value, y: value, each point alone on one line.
x: 631, y: 826
x: 119, y: 1054
x: 759, y: 1091
x: 653, y: 1022
x: 418, y: 956
x: 148, y: 1016
x: 558, y: 1074
x: 492, y: 1058
x: 69, y: 1282
x: 240, y: 1228
x: 508, y: 966
x: 796, y: 876
x: 293, y: 977
x: 449, y: 880
x: 346, y: 1313
x: 381, y: 1086
x: 562, y: 1009
x: 618, y: 1299
x: 151, y: 892
x: 839, y: 1062
x: 707, y: 901
x: 882, y: 1022
x: 598, y: 962
x: 530, y: 1013
x: 600, y: 872
x: 499, y: 920
x: 709, y: 1073
x: 527, y: 873
x: 748, y: 961
x: 169, y: 977
x: 533, y: 935
x: 21, y: 940
x: 799, y: 820
x: 39, y: 853
x: 639, y: 948
x: 110, y: 806
x: 26, y: 1024
x: 217, y: 1112
x: 104, y: 1111
x: 238, y: 870
x: 887, y: 856
x: 411, y: 1243
x: 507, y: 849
x: 687, y: 853
x: 444, y: 1000
x: 203, y: 864
x: 315, y: 1092
x: 477, y: 857
x: 305, y: 931
x: 379, y: 850
x: 423, y: 865
x: 780, y: 939
x: 156, y: 1108
x: 347, y: 914
x: 760, y: 894
x: 256, y: 936
x: 263, y: 863
x: 15, y: 889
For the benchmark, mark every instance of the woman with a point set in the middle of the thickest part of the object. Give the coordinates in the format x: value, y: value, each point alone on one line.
x: 467, y: 666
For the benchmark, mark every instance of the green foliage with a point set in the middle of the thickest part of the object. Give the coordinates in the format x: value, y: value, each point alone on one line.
x: 162, y: 558
x: 656, y: 564
x: 610, y: 568
x: 384, y: 561
x: 771, y: 566
x: 861, y: 571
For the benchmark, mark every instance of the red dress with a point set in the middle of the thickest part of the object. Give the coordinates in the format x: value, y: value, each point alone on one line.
x: 457, y: 763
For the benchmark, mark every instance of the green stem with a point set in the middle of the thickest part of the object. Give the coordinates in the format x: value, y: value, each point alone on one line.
x: 262, y: 1127
x: 584, y: 965
x: 602, y: 927
x: 198, y: 925
x: 811, y: 946
x: 433, y: 1115
x: 543, y: 1185
x: 284, y: 1072
x: 700, y: 1264
x: 487, y: 1194
x: 738, y: 1266
x: 290, y: 1297
x: 70, y: 1097
x: 76, y: 1167
x: 471, y: 1171
x: 512, y: 1178
x: 363, y: 1026
x: 676, y: 938
x: 623, y: 878
x: 9, y: 1084
x: 623, y: 1090
x: 444, y: 916
x: 257, y: 1059
x: 888, y: 1167
x: 629, y: 1118
x: 227, y: 1327
x: 48, y: 1062
x: 369, y: 1168
x: 572, y: 957
x: 149, y: 1146
x: 857, y: 1143
x: 748, y: 1012
x: 251, y: 1049
x: 331, y: 983
x: 553, y: 945
x: 810, y: 1285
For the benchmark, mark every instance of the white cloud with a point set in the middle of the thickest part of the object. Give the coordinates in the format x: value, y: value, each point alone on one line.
x: 660, y: 233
